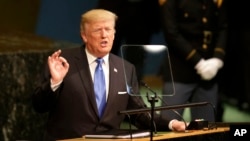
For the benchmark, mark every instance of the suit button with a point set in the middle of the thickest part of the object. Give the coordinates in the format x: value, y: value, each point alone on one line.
x: 204, y: 20
x: 186, y: 15
x: 204, y: 46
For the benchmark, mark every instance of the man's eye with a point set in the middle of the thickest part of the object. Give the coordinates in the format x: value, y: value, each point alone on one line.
x: 97, y: 30
x: 109, y: 30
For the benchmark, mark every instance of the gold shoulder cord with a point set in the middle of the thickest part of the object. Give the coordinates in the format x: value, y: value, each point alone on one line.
x: 191, y: 54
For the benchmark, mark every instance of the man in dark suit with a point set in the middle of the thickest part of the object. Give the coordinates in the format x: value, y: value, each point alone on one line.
x: 67, y: 89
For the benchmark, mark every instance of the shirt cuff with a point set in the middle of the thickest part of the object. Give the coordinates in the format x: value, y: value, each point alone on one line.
x: 54, y: 87
x: 170, y: 125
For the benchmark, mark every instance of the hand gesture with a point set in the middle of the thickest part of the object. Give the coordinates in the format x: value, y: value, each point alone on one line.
x: 58, y: 67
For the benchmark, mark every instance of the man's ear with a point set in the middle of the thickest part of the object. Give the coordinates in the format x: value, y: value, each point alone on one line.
x: 83, y: 37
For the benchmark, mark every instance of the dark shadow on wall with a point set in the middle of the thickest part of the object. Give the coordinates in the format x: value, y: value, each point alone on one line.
x: 19, y: 15
x: 60, y: 20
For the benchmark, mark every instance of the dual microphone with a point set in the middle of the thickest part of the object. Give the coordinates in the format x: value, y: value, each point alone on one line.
x: 168, y: 107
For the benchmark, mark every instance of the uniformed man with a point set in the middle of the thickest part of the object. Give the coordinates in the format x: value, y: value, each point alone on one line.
x: 195, y: 32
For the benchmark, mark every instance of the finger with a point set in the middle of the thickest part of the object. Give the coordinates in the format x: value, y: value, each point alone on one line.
x: 64, y: 62
x: 56, y: 54
x: 50, y: 60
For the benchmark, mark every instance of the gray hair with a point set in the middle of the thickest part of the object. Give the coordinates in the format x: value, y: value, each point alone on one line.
x: 96, y: 15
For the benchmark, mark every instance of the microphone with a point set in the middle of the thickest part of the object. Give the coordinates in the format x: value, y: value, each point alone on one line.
x: 140, y: 101
x: 177, y: 113
x: 146, y: 86
x: 169, y: 107
x: 152, y: 100
x: 183, y: 106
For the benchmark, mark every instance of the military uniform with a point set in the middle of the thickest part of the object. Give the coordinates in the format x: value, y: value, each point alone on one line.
x: 193, y: 29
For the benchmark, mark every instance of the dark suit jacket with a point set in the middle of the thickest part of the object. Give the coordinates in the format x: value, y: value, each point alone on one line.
x: 72, y: 108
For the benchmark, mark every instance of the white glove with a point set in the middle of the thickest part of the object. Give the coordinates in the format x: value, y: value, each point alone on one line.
x: 208, y: 69
x: 200, y: 64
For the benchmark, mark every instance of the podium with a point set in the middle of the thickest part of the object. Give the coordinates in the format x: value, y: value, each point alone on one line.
x: 216, y: 134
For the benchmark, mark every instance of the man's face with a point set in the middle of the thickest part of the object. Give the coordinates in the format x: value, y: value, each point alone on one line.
x: 99, y: 36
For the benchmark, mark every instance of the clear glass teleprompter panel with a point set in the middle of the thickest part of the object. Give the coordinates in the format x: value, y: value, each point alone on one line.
x: 152, y: 63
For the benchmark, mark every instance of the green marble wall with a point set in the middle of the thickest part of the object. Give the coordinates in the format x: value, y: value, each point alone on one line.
x: 22, y: 57
x: 19, y: 72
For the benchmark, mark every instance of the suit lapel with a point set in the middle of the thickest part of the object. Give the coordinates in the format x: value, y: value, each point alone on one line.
x: 115, y: 73
x: 85, y: 76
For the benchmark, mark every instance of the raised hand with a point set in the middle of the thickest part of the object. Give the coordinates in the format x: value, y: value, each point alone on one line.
x: 58, y: 67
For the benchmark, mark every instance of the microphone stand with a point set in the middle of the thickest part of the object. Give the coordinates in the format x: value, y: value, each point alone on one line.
x: 152, y: 99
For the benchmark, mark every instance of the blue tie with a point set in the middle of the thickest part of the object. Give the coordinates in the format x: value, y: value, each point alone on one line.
x: 99, y: 86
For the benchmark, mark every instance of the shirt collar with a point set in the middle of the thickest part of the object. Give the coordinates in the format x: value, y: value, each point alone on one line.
x: 92, y: 58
